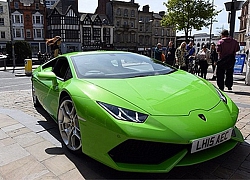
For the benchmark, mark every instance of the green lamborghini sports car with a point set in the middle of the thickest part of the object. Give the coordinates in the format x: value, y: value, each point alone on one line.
x: 133, y: 113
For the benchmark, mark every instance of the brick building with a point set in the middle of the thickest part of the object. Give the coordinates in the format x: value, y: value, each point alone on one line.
x: 28, y: 23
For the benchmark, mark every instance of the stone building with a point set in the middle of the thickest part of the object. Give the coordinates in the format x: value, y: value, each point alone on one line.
x: 145, y: 31
x: 161, y: 34
x: 124, y: 17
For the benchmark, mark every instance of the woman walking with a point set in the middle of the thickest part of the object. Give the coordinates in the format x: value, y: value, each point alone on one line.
x: 204, y: 59
x: 180, y: 57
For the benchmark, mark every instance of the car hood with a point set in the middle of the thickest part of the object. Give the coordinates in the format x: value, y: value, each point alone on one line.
x: 171, y: 94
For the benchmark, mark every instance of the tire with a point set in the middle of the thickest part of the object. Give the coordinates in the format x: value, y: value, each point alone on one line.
x: 35, y: 100
x: 68, y: 125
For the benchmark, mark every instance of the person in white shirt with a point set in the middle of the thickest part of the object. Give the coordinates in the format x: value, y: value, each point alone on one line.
x: 204, y: 59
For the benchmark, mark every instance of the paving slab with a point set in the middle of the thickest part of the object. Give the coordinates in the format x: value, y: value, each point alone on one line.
x: 6, y: 120
x: 39, y: 150
x: 12, y: 153
x: 24, y: 168
x: 28, y: 139
x: 59, y: 165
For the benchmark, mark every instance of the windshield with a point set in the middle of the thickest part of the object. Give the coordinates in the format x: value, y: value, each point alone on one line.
x: 117, y: 65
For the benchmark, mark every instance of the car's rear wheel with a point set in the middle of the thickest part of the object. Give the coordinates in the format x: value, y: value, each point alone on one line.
x: 69, y: 125
x: 34, y: 97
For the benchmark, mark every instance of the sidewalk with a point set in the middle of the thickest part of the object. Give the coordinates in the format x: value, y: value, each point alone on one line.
x: 19, y: 70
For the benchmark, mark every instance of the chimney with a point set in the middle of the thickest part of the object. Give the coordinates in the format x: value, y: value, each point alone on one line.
x: 132, y: 1
x: 101, y: 9
x: 162, y: 13
x: 145, y: 8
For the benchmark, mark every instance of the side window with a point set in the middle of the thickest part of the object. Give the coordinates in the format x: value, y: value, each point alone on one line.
x: 61, y: 69
x: 68, y: 75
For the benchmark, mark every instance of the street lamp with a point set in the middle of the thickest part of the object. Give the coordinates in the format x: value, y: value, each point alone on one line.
x: 211, y: 26
x: 11, y: 38
x: 233, y: 7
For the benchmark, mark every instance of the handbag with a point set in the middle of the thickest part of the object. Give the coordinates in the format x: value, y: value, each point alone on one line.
x: 226, y: 62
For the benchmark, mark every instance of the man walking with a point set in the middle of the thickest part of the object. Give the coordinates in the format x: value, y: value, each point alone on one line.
x: 158, y: 52
x: 170, y: 54
x: 226, y: 48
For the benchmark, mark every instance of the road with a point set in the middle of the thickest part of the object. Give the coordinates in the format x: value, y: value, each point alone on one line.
x: 15, y: 96
x: 9, y: 82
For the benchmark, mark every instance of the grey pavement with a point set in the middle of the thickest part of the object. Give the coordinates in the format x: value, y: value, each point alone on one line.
x: 30, y: 146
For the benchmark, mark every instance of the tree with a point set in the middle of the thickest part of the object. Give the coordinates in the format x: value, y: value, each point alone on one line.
x: 186, y: 15
x: 22, y: 51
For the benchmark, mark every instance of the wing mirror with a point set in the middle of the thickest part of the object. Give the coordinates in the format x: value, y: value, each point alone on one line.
x: 48, y: 76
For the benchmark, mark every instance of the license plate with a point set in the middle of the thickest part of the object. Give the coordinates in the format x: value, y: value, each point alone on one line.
x: 210, y: 141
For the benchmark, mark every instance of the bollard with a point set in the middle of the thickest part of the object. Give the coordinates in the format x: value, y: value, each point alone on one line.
x: 28, y: 66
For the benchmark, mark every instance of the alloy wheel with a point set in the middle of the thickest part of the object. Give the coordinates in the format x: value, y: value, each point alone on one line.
x: 68, y: 125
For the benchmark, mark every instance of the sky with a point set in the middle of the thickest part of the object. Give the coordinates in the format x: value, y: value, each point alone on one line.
x: 89, y: 6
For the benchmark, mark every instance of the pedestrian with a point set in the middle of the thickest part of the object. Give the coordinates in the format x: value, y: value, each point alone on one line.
x: 204, y: 59
x: 214, y: 59
x: 158, y: 52
x: 54, y: 44
x: 180, y: 56
x: 39, y: 57
x: 190, y: 51
x: 170, y: 53
x: 226, y: 48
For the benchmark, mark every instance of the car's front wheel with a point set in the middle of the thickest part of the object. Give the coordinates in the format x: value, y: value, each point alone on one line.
x: 69, y: 125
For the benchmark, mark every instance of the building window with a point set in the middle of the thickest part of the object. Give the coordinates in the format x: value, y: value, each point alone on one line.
x: 1, y: 21
x: 16, y: 5
x: 140, y: 40
x: 18, y: 33
x: 3, y: 34
x: 55, y: 20
x: 141, y: 28
x: 37, y: 6
x: 168, y: 32
x: 37, y: 19
x: 50, y: 3
x: 71, y: 34
x: 96, y: 32
x: 118, y: 38
x: 133, y: 13
x: 1, y: 9
x: 132, y: 24
x: 17, y: 18
x: 132, y: 38
x: 86, y: 36
x: 106, y: 35
x: 118, y: 12
x: 126, y: 13
x: 71, y: 20
x: 28, y: 33
x: 38, y: 33
x: 156, y: 32
x: 118, y: 23
x: 106, y: 31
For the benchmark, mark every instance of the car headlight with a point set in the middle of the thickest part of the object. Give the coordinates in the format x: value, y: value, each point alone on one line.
x: 221, y: 95
x: 124, y: 114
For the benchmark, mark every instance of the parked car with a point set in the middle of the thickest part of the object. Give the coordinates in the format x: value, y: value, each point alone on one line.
x: 133, y: 113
